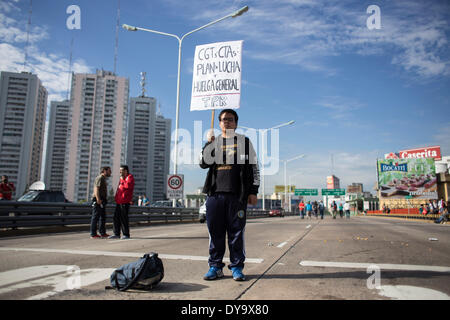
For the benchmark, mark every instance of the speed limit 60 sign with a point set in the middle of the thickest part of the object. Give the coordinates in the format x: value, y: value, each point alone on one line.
x: 175, y: 186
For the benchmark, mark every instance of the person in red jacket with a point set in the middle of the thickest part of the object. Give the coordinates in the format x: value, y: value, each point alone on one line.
x: 6, y: 189
x: 124, y: 197
x: 301, y: 208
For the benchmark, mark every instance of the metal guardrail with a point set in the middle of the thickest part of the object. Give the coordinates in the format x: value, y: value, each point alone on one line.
x: 429, y: 216
x: 34, y: 214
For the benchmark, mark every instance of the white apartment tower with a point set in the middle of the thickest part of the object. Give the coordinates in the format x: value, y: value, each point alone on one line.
x: 97, y: 131
x: 148, y: 148
x: 23, y: 103
x: 56, y: 144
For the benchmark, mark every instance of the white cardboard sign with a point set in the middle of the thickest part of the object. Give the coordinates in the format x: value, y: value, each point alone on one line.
x: 216, y: 81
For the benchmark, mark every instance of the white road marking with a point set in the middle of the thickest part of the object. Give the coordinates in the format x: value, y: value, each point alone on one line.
x: 9, y: 277
x: 406, y: 267
x: 281, y: 245
x: 122, y: 254
x: 411, y: 293
x: 56, y: 276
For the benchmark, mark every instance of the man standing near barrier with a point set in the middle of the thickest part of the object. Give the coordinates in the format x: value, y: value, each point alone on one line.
x: 99, y: 204
x: 232, y: 182
x: 124, y: 197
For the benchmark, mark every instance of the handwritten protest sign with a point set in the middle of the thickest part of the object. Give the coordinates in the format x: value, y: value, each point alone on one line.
x: 216, y: 83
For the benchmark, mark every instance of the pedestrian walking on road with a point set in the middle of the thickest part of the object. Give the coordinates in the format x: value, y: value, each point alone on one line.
x: 321, y: 209
x: 341, y: 210
x: 308, y: 209
x: 231, y: 183
x: 124, y: 197
x: 315, y: 209
x: 347, y: 210
x: 6, y: 189
x: 99, y: 201
x: 301, y: 208
x: 334, y: 209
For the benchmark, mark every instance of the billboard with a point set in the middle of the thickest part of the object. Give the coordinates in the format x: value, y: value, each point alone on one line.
x: 333, y: 182
x: 280, y: 189
x: 428, y: 152
x: 400, y: 178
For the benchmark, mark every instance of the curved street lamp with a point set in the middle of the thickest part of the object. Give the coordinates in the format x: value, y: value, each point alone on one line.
x: 235, y: 14
x: 263, y: 144
x: 180, y: 41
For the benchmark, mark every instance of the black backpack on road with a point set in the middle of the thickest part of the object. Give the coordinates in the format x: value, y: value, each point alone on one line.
x: 143, y: 274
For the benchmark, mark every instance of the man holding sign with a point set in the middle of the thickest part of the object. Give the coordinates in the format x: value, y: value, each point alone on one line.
x: 232, y: 182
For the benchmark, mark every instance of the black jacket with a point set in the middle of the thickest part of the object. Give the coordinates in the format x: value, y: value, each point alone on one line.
x: 247, y: 162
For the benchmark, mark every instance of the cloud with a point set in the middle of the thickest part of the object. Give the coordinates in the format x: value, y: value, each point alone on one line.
x: 442, y: 138
x: 306, y: 33
x: 51, y: 68
x: 349, y: 167
x: 340, y: 107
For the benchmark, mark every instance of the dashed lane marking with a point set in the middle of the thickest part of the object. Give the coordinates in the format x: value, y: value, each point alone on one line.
x: 122, y: 254
x: 352, y: 265
x: 281, y: 245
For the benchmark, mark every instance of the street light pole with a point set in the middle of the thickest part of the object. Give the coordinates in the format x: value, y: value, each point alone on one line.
x: 180, y: 41
x: 290, y: 186
x: 263, y: 143
x: 285, y: 185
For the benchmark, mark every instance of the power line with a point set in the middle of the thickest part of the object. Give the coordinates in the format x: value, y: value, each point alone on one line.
x: 70, y: 69
x: 30, y: 12
x: 117, y: 36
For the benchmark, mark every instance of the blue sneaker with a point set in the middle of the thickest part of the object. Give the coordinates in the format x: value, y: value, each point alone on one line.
x: 237, y: 274
x: 213, y: 273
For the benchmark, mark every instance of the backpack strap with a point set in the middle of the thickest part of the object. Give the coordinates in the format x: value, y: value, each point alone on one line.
x: 136, y: 277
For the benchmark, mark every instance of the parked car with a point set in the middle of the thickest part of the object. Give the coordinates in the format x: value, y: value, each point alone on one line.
x: 165, y: 204
x: 202, y: 213
x: 276, y: 212
x: 43, y: 196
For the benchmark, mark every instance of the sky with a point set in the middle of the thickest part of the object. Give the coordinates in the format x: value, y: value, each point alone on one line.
x: 356, y: 90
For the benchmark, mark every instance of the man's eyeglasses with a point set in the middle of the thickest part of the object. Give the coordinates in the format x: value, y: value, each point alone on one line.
x: 227, y: 119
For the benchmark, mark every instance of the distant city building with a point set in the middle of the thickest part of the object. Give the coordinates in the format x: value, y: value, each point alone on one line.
x: 97, y: 131
x: 23, y: 102
x: 148, y: 148
x: 355, y: 188
x: 333, y: 182
x: 58, y: 126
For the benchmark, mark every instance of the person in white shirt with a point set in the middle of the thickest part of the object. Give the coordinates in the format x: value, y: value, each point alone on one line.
x: 347, y: 210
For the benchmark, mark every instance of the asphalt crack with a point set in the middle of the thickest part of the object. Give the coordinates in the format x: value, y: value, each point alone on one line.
x: 308, y: 230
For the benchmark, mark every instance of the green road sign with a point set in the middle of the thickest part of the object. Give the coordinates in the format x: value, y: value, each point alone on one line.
x: 306, y: 192
x: 333, y: 192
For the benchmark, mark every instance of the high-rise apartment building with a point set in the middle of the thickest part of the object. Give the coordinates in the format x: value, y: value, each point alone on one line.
x: 23, y: 103
x: 56, y: 144
x: 97, y: 131
x: 148, y: 148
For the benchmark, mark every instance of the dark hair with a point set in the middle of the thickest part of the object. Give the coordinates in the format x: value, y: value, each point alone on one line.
x: 124, y: 166
x: 103, y: 169
x: 236, y: 118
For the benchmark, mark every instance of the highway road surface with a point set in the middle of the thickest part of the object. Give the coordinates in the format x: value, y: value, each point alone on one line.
x: 362, y: 258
